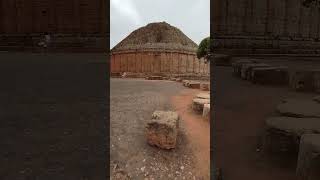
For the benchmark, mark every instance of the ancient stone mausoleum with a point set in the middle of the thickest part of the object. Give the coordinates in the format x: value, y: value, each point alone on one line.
x: 157, y: 48
x: 265, y: 27
x: 75, y: 25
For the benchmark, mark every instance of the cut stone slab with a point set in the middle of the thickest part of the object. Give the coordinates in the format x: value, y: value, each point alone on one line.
x: 283, y: 133
x: 299, y: 108
x: 309, y: 151
x: 203, y: 96
x: 205, y: 86
x: 154, y: 78
x: 206, y: 111
x: 162, y: 129
x: 270, y: 75
x: 294, y: 126
x: 304, y: 80
x: 194, y: 85
x: 246, y: 68
x: 198, y: 104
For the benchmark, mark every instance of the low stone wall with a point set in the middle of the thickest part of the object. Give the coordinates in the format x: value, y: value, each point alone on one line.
x: 158, y: 62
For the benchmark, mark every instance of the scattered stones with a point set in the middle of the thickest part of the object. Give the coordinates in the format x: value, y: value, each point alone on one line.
x: 269, y: 75
x: 206, y: 111
x: 162, y: 129
x: 300, y: 108
x: 185, y: 83
x: 309, y: 151
x: 205, y: 86
x: 198, y: 104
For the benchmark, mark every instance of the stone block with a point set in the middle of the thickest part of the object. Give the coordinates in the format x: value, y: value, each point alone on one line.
x: 303, y: 80
x: 205, y: 86
x: 154, y: 78
x: 162, y: 129
x: 194, y: 85
x: 198, y: 104
x: 185, y: 83
x: 203, y: 96
x: 237, y: 65
x: 270, y: 75
x: 299, y: 108
x: 206, y: 111
x: 179, y: 80
x: 283, y: 133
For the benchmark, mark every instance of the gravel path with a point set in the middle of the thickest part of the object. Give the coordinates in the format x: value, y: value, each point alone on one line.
x: 132, y: 103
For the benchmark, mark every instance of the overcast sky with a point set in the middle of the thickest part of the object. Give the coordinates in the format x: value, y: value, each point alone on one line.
x: 192, y: 17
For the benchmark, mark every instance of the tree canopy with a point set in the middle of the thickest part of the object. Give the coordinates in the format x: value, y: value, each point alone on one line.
x: 204, y: 48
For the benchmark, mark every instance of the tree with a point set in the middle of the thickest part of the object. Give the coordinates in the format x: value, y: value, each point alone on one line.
x: 204, y: 49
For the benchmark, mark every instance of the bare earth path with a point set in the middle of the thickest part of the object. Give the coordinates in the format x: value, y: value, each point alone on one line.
x: 132, y: 101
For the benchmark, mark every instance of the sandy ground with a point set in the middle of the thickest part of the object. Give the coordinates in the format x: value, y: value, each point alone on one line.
x: 240, y: 110
x: 132, y: 103
x: 53, y: 116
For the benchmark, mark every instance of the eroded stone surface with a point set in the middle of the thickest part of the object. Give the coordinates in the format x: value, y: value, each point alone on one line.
x: 162, y: 129
x: 294, y: 126
x: 309, y: 150
x: 246, y: 68
x: 299, y: 108
x: 198, y: 104
x: 206, y: 111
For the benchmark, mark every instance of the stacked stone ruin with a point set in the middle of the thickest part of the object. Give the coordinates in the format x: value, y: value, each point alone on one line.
x: 296, y: 128
x: 158, y: 49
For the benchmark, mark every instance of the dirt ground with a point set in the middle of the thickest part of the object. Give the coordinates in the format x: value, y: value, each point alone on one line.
x: 132, y: 104
x: 53, y: 116
x: 240, y: 111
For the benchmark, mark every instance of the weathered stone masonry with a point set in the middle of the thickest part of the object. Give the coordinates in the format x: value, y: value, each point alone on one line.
x: 75, y: 25
x: 265, y: 26
x: 158, y: 62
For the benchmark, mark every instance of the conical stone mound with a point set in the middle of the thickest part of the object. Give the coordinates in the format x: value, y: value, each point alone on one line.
x: 157, y: 36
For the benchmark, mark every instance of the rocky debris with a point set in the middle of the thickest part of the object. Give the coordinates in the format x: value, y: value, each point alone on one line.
x: 154, y: 78
x: 194, y: 85
x: 317, y: 99
x: 283, y: 133
x: 309, y: 151
x: 206, y: 111
x: 198, y: 104
x: 269, y: 75
x: 205, y: 86
x: 203, y: 96
x: 222, y: 59
x: 305, y: 80
x: 299, y: 108
x: 246, y: 69
x: 162, y: 129
x: 238, y: 65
